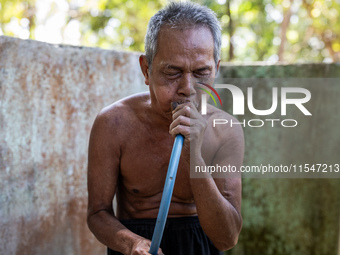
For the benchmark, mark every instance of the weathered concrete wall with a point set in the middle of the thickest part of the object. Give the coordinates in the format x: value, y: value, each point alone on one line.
x: 50, y: 96
x: 290, y: 216
x: 315, y: 139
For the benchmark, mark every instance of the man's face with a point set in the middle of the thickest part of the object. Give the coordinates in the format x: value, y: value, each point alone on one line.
x: 184, y: 56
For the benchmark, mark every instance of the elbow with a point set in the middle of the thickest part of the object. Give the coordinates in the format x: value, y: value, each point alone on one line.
x: 230, y: 239
x: 91, y: 218
x: 89, y: 221
x: 226, y: 244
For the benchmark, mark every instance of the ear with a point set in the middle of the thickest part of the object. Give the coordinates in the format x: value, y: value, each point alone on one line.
x: 144, y: 67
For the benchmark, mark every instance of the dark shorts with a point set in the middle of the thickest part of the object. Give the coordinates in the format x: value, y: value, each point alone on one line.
x: 182, y: 236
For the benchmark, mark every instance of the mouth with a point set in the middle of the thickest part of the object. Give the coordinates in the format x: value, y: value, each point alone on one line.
x: 174, y: 104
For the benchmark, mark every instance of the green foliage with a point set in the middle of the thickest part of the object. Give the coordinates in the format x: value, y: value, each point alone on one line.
x: 312, y: 32
x: 120, y: 24
x: 11, y: 9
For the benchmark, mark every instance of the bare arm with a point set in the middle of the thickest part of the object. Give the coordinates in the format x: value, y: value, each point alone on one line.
x: 103, y: 171
x: 218, y: 201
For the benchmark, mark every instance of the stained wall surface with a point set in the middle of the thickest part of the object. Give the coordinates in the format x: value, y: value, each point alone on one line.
x: 50, y: 96
x: 296, y: 213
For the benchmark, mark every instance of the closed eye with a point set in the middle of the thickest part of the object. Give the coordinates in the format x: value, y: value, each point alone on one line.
x: 172, y: 71
x: 202, y: 72
x: 171, y: 74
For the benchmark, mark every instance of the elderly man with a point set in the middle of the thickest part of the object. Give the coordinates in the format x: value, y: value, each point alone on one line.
x: 131, y: 142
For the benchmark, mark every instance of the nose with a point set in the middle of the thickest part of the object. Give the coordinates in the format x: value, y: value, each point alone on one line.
x: 186, y: 86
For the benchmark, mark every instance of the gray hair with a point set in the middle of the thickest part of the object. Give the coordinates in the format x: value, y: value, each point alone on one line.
x: 179, y: 15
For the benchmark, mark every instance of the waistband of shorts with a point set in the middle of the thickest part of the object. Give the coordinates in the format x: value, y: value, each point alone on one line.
x: 174, y: 222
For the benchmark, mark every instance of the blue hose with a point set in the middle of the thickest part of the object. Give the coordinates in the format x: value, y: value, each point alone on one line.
x: 167, y: 194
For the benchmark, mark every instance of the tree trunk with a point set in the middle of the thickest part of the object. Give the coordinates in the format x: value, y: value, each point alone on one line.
x: 284, y: 27
x: 231, y: 32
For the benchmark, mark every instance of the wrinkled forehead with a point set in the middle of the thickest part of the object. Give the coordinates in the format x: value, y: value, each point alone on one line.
x: 185, y: 36
x: 185, y: 49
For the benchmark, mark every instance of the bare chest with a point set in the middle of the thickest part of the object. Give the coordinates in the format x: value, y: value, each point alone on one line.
x: 144, y: 166
x: 144, y: 163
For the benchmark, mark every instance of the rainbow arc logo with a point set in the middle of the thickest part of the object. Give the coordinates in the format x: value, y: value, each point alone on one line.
x: 209, y: 93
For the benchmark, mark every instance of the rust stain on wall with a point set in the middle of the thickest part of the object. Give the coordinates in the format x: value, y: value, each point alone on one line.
x: 50, y: 95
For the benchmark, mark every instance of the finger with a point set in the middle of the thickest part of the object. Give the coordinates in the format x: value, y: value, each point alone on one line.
x: 147, y: 241
x: 182, y: 123
x: 180, y: 120
x: 160, y: 252
x: 186, y: 109
x: 185, y: 123
x: 181, y: 110
x: 194, y: 113
x: 183, y: 130
x: 175, y: 106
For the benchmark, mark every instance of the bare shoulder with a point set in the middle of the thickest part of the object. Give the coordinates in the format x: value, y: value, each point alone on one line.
x: 226, y: 143
x: 124, y: 110
x: 115, y: 119
x: 223, y: 125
